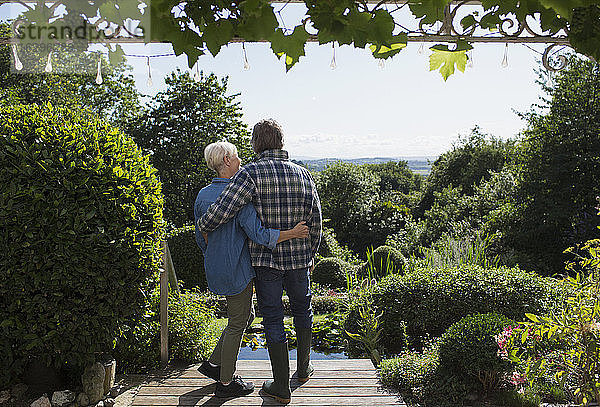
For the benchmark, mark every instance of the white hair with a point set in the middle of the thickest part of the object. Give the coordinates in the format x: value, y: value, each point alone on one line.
x: 214, y: 154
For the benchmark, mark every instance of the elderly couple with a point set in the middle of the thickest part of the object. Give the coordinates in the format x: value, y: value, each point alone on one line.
x: 259, y: 226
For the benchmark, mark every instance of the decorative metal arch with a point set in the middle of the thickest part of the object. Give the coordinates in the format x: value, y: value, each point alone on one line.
x: 511, y: 30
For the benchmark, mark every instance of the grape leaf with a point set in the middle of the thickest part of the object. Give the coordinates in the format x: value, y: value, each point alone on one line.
x: 292, y: 46
x: 217, y: 34
x: 258, y: 22
x: 117, y: 56
x: 445, y: 60
x: 429, y: 11
x: 397, y: 44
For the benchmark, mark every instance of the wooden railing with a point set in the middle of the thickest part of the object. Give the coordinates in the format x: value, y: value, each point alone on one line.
x: 167, y: 278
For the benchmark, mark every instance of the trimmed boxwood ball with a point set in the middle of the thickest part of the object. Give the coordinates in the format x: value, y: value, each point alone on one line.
x: 331, y: 272
x: 386, y: 260
x: 80, y: 227
x: 468, y: 349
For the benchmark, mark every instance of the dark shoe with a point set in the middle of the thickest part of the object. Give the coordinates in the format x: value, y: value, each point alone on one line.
x: 279, y: 387
x: 209, y: 371
x: 236, y: 388
x: 305, y: 369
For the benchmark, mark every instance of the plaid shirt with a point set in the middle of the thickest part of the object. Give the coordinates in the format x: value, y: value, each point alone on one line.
x: 284, y: 194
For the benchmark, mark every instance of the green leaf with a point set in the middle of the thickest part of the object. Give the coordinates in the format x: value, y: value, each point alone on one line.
x: 217, y: 34
x: 292, y: 46
x: 445, y: 60
x: 398, y: 44
x: 117, y: 56
x: 429, y: 11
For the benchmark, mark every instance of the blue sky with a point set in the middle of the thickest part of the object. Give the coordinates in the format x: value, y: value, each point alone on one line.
x: 359, y: 109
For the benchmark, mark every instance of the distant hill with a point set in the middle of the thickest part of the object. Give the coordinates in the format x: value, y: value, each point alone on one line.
x: 420, y: 165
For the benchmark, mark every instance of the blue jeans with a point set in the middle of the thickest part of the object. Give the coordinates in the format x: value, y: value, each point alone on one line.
x: 270, y: 284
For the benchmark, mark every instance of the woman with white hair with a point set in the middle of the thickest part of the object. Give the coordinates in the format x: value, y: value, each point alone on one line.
x: 228, y: 268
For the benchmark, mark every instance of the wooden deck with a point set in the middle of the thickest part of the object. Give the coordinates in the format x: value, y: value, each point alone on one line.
x: 350, y: 382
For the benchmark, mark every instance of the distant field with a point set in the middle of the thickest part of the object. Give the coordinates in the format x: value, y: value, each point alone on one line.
x: 420, y: 165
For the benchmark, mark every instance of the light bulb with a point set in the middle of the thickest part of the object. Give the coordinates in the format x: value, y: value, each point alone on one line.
x: 333, y: 65
x: 421, y: 49
x: 197, y: 76
x: 18, y: 63
x: 99, y: 73
x: 470, y: 62
x: 505, y: 59
x: 381, y: 64
x: 149, y: 81
x: 48, y: 67
x: 246, y: 63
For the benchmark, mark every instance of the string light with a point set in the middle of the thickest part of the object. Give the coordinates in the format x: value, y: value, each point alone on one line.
x: 149, y: 81
x: 18, y: 63
x: 505, y: 59
x: 421, y: 49
x: 246, y: 64
x: 470, y: 56
x: 381, y: 63
x: 99, y: 72
x: 48, y: 67
x: 333, y: 65
x: 197, y: 76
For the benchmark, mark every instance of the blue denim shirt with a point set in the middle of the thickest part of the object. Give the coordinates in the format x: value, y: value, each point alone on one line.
x: 226, y: 257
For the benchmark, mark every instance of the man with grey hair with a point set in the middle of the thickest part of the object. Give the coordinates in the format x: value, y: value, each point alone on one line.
x: 284, y: 194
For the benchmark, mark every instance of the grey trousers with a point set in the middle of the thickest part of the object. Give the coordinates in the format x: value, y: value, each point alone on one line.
x: 240, y: 315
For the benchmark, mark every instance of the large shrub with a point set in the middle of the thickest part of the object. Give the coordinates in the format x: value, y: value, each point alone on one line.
x: 430, y: 300
x: 193, y: 333
x: 385, y: 260
x: 80, y: 227
x: 187, y: 257
x: 468, y: 349
x: 331, y: 272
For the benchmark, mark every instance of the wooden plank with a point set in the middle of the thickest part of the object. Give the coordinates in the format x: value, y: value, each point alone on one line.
x: 337, y: 364
x: 348, y: 374
x: 351, y: 382
x: 256, y: 400
x: 303, y: 390
x: 313, y: 382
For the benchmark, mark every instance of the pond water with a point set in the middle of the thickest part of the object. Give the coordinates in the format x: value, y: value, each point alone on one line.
x: 246, y: 353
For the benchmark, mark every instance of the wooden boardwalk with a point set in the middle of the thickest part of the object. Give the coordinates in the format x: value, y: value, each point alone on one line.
x: 349, y: 382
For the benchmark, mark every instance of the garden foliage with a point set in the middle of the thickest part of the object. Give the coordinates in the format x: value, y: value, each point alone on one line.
x: 188, y: 259
x: 468, y: 349
x: 332, y: 272
x: 81, y: 225
x: 417, y: 298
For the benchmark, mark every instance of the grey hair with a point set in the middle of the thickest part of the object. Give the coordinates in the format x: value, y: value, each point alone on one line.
x: 267, y: 135
x: 214, y: 154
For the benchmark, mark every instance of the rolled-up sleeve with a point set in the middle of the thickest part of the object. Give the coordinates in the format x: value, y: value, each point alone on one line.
x: 237, y: 194
x: 252, y: 225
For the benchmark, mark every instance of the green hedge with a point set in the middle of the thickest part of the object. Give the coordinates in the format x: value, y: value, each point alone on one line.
x: 428, y: 301
x: 385, y: 260
x: 468, y: 349
x: 80, y: 226
x: 188, y: 259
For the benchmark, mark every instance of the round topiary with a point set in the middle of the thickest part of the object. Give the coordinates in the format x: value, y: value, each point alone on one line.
x: 81, y: 225
x: 468, y: 349
x: 385, y: 260
x: 331, y: 272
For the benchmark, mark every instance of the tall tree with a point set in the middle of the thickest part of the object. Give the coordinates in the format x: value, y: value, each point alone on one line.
x: 559, y: 169
x: 176, y: 127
